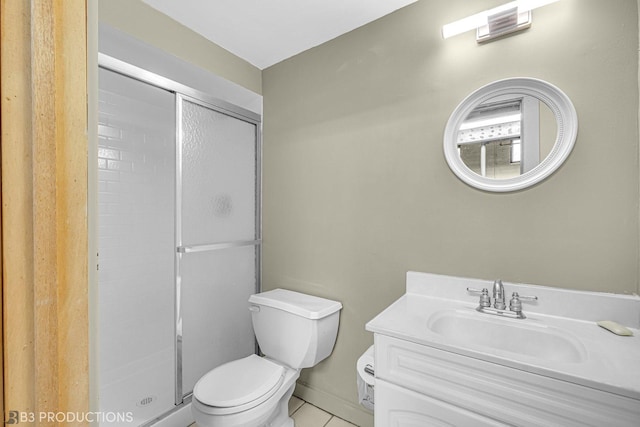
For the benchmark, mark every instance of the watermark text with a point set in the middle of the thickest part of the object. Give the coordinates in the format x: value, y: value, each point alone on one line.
x: 17, y: 417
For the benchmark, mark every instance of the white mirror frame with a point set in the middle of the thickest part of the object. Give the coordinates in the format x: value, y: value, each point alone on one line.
x: 557, y: 101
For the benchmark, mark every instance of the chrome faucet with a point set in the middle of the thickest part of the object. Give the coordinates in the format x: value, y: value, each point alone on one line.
x: 498, y: 295
x: 499, y: 307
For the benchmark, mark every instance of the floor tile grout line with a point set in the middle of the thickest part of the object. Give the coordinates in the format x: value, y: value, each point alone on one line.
x: 332, y: 416
x: 297, y: 409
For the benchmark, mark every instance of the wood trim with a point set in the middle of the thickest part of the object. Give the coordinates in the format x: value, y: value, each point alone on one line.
x: 17, y: 205
x: 43, y: 61
x: 1, y: 269
x: 72, y: 221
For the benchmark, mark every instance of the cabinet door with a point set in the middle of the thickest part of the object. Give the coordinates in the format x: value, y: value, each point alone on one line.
x: 399, y: 407
x: 513, y: 396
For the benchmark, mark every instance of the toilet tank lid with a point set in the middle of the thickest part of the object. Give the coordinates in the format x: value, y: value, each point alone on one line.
x: 304, y: 305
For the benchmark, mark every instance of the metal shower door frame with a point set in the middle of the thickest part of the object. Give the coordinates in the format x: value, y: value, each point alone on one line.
x: 185, y: 93
x: 182, y: 250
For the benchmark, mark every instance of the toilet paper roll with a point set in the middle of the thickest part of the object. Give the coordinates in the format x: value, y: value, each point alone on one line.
x: 363, y: 361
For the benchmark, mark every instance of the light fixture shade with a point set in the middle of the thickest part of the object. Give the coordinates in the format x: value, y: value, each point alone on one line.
x: 480, y: 20
x: 465, y: 24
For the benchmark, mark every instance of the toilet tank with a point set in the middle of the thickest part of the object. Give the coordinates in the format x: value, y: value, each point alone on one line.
x: 296, y: 329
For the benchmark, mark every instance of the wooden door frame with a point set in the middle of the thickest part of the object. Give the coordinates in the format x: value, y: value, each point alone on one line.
x: 43, y: 106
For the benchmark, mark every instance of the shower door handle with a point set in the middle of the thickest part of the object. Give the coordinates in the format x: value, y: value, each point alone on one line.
x: 217, y: 246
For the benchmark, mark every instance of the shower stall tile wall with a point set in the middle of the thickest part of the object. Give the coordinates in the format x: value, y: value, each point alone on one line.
x: 179, y: 235
x: 136, y: 160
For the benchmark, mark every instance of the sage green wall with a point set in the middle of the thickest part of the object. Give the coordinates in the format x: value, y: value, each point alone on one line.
x: 357, y: 191
x: 147, y: 24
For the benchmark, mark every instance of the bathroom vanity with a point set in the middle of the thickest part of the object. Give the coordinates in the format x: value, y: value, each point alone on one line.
x: 441, y: 362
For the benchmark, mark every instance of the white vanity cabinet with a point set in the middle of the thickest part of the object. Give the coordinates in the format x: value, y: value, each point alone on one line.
x: 555, y: 367
x: 400, y: 407
x: 403, y: 402
x: 418, y: 385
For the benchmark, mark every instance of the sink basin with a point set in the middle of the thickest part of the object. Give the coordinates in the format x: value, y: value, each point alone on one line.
x: 514, y: 336
x: 559, y: 339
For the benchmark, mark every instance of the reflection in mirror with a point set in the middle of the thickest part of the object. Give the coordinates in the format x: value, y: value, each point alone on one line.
x: 506, y: 136
x: 510, y: 134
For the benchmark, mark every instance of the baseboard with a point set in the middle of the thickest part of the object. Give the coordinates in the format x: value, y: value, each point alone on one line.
x: 344, y: 409
x: 181, y: 416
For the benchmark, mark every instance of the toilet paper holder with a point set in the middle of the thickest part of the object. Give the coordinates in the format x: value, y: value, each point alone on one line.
x: 369, y: 369
x: 366, y: 379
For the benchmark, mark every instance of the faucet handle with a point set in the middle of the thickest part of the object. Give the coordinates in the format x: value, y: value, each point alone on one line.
x: 527, y: 297
x: 516, y: 305
x: 485, y: 299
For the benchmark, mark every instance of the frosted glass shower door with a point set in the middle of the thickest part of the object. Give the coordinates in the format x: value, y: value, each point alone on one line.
x: 217, y: 240
x: 136, y: 241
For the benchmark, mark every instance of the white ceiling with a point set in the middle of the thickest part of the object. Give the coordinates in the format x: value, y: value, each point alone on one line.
x: 265, y: 32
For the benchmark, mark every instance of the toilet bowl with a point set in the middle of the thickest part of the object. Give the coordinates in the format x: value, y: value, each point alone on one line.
x: 294, y: 331
x: 251, y: 392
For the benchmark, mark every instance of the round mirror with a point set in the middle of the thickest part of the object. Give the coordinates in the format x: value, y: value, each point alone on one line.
x: 510, y: 134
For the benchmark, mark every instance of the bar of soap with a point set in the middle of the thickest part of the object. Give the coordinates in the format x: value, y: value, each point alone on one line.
x: 615, y: 328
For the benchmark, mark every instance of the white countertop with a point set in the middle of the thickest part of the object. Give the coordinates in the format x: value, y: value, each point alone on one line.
x: 610, y: 362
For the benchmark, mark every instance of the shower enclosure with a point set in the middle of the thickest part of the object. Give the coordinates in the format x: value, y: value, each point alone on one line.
x: 179, y: 239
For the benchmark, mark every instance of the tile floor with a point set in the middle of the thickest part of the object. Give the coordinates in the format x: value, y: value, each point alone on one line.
x: 306, y: 415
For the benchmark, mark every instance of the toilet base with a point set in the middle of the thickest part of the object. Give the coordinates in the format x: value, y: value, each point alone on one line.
x: 281, y: 417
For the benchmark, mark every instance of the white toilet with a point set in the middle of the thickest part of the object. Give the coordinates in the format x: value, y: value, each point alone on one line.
x: 294, y: 331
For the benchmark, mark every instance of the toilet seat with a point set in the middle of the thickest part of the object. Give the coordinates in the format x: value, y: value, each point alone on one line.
x: 238, y: 385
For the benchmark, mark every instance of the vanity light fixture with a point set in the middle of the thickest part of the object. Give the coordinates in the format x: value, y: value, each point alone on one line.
x: 496, y: 22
